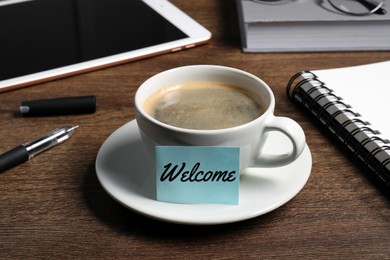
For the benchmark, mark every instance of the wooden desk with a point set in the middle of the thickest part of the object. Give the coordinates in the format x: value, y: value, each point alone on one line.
x: 53, y: 206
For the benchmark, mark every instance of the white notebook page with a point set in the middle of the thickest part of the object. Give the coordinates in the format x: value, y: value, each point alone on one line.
x: 366, y: 89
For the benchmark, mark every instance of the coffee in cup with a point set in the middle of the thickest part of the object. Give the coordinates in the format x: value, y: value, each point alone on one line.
x: 204, y: 105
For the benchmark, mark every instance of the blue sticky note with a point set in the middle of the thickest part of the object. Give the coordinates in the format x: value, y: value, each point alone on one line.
x: 193, y: 174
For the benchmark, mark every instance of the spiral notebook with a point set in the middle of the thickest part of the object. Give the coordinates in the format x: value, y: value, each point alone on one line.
x: 352, y: 105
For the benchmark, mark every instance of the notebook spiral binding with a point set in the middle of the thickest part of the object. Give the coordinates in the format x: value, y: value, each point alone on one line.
x: 342, y: 123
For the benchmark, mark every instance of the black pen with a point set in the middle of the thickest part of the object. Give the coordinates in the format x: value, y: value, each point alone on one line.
x: 28, y: 150
x: 59, y: 106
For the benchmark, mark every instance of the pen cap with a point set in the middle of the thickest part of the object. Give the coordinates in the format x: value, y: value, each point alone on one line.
x: 59, y: 106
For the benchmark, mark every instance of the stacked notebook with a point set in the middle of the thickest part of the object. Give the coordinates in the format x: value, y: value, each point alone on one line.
x: 308, y: 25
x: 352, y: 105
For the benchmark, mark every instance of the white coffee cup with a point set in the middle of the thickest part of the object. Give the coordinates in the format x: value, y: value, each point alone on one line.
x: 249, y: 137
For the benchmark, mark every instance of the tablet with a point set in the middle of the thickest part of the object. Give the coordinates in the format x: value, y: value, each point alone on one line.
x: 42, y: 40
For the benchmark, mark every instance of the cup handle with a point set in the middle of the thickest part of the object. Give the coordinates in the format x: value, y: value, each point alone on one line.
x: 293, y: 131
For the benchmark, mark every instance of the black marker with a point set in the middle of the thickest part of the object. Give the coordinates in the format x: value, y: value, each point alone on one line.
x: 28, y: 150
x: 59, y: 106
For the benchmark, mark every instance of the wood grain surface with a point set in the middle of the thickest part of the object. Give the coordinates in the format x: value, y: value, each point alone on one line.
x: 54, y: 207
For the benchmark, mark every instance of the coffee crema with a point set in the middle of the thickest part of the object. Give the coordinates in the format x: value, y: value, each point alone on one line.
x: 204, y: 105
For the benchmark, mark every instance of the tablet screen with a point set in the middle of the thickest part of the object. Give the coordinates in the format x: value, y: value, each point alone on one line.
x: 44, y: 34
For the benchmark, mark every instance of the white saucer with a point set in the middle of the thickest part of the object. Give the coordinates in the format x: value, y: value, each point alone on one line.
x: 127, y: 174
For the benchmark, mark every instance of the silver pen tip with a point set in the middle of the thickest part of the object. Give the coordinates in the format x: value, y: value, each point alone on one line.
x: 72, y: 128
